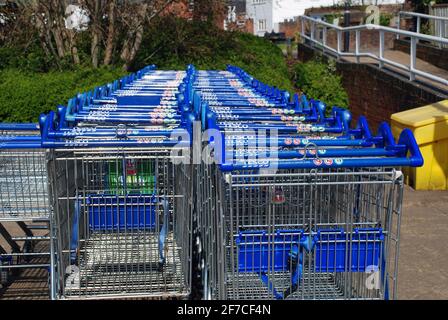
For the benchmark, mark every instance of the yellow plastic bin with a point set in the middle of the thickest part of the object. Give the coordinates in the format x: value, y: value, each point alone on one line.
x: 430, y: 127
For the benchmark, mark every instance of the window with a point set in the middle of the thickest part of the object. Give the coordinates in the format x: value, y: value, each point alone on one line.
x: 262, y: 25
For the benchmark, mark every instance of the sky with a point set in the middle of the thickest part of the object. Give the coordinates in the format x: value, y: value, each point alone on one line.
x: 284, y: 9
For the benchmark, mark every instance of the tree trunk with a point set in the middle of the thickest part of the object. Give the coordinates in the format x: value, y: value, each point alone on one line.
x: 135, y: 48
x: 110, y: 35
x: 95, y: 49
x: 56, y: 15
x: 96, y: 34
x: 59, y: 41
x: 133, y: 42
x: 73, y: 48
x: 134, y: 39
x: 125, y: 51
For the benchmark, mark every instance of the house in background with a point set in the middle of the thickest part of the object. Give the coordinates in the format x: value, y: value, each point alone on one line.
x: 236, y: 17
x: 261, y: 12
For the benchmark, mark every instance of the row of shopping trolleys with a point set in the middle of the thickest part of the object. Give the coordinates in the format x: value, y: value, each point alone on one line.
x: 288, y: 200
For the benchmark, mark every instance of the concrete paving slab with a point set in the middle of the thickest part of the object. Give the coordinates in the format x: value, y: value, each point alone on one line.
x: 423, y: 262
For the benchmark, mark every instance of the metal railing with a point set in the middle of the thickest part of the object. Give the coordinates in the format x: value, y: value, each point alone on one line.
x: 440, y: 24
x: 319, y: 25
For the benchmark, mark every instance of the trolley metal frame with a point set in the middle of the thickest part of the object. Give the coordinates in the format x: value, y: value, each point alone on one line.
x: 300, y: 234
x: 123, y: 219
x: 24, y: 201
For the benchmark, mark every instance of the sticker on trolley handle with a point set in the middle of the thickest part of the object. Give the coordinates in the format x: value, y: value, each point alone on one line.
x: 77, y: 143
x: 73, y: 277
x: 108, y: 107
x: 339, y: 161
x: 97, y: 116
x: 150, y: 140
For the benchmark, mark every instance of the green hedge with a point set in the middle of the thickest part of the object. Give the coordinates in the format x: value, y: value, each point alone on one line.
x: 25, y: 95
x: 35, y: 88
x: 319, y: 80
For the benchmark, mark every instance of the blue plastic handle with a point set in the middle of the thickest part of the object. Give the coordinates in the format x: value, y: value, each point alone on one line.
x: 19, y: 127
x: 410, y: 156
x: 20, y: 145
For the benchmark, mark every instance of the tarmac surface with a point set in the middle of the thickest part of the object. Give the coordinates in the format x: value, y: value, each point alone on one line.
x: 423, y: 262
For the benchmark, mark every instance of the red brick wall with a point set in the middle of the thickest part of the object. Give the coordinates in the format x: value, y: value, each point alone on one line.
x: 369, y: 40
x: 183, y: 10
x: 290, y: 28
x: 357, y: 11
x: 179, y: 9
x: 249, y: 26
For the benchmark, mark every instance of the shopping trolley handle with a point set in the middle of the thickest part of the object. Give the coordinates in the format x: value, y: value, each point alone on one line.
x: 344, y: 116
x: 296, y: 103
x: 321, y: 109
x: 19, y: 126
x: 385, y: 138
x: 75, y: 105
x: 305, y: 102
x: 407, y: 155
x: 286, y: 97
x: 407, y: 139
x: 20, y: 144
x: 362, y: 130
x: 46, y: 124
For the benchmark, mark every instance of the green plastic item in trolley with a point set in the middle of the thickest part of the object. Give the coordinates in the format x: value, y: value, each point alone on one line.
x: 140, y: 178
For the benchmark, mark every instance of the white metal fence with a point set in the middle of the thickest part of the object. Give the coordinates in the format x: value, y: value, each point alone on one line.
x: 438, y: 22
x: 315, y: 31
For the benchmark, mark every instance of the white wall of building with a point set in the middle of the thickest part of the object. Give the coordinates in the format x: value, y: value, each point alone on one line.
x: 262, y: 13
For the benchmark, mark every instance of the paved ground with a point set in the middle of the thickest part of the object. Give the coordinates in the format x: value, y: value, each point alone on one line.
x: 423, y: 269
x: 423, y: 265
x: 30, y: 284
